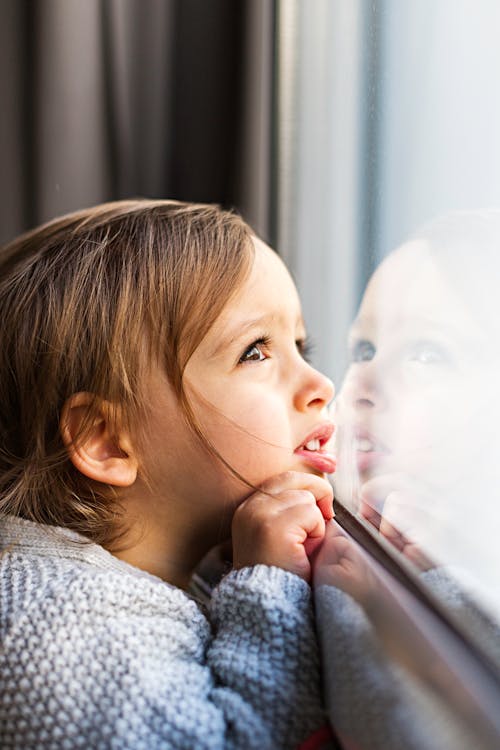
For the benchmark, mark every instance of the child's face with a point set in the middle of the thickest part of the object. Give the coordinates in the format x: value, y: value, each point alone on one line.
x: 256, y: 398
x: 410, y: 396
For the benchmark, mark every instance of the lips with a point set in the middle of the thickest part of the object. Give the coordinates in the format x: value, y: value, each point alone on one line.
x: 364, y: 441
x: 368, y: 449
x: 313, y: 449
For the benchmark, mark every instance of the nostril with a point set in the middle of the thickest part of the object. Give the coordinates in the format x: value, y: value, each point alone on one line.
x: 365, y: 403
x: 317, y: 402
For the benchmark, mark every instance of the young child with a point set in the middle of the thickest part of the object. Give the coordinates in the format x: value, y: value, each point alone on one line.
x: 154, y: 397
x: 418, y: 408
x: 417, y: 419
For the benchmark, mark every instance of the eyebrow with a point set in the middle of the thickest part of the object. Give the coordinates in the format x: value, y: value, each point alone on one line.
x: 410, y: 325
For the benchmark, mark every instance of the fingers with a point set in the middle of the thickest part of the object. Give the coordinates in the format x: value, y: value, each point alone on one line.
x: 335, y: 545
x: 405, y: 513
x: 297, y: 509
x: 305, y: 525
x: 378, y: 493
x: 341, y: 563
x: 376, y: 490
x: 320, y: 488
x: 283, y: 523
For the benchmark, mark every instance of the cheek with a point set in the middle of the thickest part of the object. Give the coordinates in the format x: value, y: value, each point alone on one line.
x: 431, y: 409
x: 251, y: 415
x: 255, y: 441
x: 430, y: 434
x: 421, y: 420
x: 168, y: 450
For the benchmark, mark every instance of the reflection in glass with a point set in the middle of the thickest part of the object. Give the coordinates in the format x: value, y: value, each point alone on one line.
x: 419, y: 408
x: 428, y: 694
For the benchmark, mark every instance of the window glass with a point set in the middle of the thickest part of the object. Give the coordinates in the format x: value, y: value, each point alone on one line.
x: 419, y: 404
x: 389, y: 122
x: 389, y: 216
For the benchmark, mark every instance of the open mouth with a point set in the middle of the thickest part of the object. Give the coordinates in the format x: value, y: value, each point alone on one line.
x: 312, y: 445
x: 365, y: 442
x: 314, y: 450
x: 365, y: 445
x: 368, y: 450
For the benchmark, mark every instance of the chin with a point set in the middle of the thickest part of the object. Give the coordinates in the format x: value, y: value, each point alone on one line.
x: 304, y: 469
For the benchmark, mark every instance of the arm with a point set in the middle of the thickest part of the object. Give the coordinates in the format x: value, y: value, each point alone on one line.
x: 107, y: 659
x: 111, y: 661
x: 265, y: 656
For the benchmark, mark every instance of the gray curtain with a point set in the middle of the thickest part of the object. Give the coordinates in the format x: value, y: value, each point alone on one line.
x: 104, y: 99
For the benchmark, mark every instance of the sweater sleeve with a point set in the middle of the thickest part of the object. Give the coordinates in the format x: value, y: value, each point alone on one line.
x: 373, y: 701
x: 264, y: 658
x: 93, y: 659
x: 370, y: 701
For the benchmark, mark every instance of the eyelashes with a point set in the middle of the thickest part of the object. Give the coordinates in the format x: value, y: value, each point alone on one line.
x: 420, y: 351
x: 255, y: 352
x: 259, y: 349
x: 429, y: 353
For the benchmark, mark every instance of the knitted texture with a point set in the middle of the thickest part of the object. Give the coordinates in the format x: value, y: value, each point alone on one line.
x: 98, y: 654
x: 373, y: 702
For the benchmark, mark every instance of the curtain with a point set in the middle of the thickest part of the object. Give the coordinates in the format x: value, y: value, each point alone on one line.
x: 106, y: 99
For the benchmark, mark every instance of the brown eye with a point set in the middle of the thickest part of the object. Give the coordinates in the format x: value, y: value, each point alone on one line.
x: 254, y: 352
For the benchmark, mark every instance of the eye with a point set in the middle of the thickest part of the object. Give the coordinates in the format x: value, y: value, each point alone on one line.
x: 428, y: 353
x: 362, y: 351
x: 256, y: 351
x: 304, y: 348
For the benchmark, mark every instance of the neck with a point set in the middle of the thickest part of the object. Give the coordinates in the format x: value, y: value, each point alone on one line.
x: 168, y: 548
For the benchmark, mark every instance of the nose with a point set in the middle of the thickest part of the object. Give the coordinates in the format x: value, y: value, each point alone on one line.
x: 315, y: 390
x: 360, y: 389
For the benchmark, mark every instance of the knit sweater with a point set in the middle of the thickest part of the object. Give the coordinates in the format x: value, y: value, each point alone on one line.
x: 98, y: 654
x: 376, y: 703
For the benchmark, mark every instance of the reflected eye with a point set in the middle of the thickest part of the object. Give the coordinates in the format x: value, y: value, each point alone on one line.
x: 429, y: 353
x: 362, y: 351
x: 255, y: 352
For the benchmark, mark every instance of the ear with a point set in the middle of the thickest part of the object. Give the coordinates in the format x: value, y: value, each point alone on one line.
x: 102, y: 453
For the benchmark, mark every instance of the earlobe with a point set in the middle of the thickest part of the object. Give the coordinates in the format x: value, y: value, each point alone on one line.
x: 97, y: 449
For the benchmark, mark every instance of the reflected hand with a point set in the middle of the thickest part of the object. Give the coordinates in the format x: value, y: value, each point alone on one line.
x: 406, y: 514
x: 341, y: 563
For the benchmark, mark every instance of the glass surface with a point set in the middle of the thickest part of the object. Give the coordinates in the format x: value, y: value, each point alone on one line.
x: 419, y: 406
x: 389, y: 217
x: 388, y: 117
x: 394, y: 674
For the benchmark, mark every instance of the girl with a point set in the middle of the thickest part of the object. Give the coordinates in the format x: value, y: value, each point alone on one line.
x: 418, y: 458
x: 419, y: 405
x: 154, y: 396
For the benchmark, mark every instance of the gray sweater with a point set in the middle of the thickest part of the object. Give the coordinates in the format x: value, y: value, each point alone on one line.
x: 98, y: 654
x: 376, y: 703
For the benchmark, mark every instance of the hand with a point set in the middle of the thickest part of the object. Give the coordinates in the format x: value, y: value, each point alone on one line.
x: 406, y: 514
x: 283, y: 523
x: 341, y: 563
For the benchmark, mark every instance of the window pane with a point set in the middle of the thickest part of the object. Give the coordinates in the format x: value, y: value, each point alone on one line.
x: 389, y: 216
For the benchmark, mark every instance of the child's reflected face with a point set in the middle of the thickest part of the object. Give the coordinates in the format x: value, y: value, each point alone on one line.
x: 410, y: 391
x: 255, y: 396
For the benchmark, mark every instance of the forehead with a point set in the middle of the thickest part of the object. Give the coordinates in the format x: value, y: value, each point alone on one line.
x: 408, y: 287
x: 268, y: 290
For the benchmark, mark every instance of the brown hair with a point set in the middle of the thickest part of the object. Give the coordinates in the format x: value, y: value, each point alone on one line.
x: 82, y: 299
